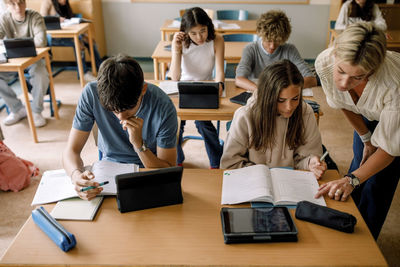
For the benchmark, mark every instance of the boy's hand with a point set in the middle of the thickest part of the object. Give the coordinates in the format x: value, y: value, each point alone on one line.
x: 85, y: 179
x: 134, y: 126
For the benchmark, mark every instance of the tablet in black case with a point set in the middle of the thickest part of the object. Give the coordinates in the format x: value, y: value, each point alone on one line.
x: 250, y: 225
x: 149, y: 189
x: 204, y: 95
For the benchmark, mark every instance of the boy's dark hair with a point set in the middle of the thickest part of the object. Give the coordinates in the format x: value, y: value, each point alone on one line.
x: 196, y: 16
x: 119, y: 83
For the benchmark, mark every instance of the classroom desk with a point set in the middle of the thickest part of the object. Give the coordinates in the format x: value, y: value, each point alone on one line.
x: 160, y: 56
x: 392, y: 40
x: 246, y: 26
x: 19, y: 65
x: 73, y: 31
x: 190, y: 234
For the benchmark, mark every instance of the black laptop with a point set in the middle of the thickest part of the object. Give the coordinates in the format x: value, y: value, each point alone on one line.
x: 149, y: 189
x: 20, y: 47
x: 52, y: 22
x: 203, y: 95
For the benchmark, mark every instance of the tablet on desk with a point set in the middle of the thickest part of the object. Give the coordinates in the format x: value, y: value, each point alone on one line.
x: 249, y: 225
x: 149, y: 189
x: 52, y: 22
x: 20, y: 47
x: 202, y: 95
x: 241, y: 98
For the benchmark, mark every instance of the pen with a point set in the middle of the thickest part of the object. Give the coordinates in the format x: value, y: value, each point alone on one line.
x: 324, y: 156
x: 93, y: 187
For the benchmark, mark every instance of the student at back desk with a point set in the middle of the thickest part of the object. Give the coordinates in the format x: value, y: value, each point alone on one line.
x: 196, y: 49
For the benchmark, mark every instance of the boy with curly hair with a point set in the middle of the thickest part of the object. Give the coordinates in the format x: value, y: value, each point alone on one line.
x: 274, y: 30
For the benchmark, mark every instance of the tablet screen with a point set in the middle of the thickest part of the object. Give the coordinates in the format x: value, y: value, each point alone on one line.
x: 256, y: 220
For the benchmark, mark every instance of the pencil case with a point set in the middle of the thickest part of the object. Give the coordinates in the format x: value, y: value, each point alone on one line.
x: 325, y: 216
x: 53, y: 229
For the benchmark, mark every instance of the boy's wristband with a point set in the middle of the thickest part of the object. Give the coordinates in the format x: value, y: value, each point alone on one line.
x: 366, y: 137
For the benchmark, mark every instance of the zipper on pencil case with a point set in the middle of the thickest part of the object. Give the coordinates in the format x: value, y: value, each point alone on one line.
x: 55, y: 224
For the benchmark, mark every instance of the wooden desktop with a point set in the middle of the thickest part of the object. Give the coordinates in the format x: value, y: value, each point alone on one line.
x: 190, y: 234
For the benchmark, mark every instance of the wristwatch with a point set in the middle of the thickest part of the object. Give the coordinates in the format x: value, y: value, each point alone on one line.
x: 142, y: 148
x: 353, y: 180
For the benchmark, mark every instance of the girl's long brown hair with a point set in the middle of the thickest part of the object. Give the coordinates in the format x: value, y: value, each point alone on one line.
x: 264, y: 112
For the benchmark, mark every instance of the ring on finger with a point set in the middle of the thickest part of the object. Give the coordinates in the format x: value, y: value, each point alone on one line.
x: 338, y: 192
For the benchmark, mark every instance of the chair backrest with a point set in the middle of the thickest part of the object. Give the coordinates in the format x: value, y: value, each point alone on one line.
x: 240, y: 37
x: 233, y: 14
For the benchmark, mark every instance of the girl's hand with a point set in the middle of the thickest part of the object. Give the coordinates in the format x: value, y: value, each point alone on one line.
x: 179, y: 38
x: 317, y: 167
x: 369, y: 149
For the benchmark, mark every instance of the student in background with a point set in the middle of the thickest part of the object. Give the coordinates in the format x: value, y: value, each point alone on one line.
x: 196, y: 50
x: 360, y: 77
x: 19, y: 22
x: 63, y: 9
x: 274, y: 30
x: 276, y: 127
x: 360, y: 10
x: 137, y: 122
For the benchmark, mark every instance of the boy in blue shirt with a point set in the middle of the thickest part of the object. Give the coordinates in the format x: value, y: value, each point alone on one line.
x: 137, y: 122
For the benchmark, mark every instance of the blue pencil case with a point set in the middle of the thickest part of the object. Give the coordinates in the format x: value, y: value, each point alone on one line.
x: 53, y: 229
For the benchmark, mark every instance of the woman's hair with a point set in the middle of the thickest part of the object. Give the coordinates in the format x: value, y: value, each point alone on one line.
x: 64, y: 11
x: 365, y: 12
x: 361, y: 44
x: 274, y: 26
x: 264, y: 112
x: 196, y: 16
x: 119, y: 83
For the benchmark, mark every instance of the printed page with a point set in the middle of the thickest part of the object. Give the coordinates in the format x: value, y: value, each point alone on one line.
x: 107, y: 170
x: 169, y: 87
x: 292, y: 186
x: 246, y: 184
x: 55, y: 185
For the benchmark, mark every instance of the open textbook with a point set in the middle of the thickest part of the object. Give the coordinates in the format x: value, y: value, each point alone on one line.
x: 278, y: 186
x: 56, y: 185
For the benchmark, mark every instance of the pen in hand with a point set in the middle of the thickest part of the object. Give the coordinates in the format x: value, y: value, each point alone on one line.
x: 324, y: 156
x: 93, y: 187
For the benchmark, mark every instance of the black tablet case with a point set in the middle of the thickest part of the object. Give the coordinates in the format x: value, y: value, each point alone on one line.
x: 150, y: 189
x: 259, y: 237
x: 52, y: 22
x: 20, y: 47
x: 202, y: 95
x: 241, y: 98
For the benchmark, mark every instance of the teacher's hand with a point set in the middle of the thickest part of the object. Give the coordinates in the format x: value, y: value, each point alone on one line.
x: 369, y: 149
x: 338, y: 190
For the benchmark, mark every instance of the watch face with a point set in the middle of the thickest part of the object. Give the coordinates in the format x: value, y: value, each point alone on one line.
x: 355, y: 181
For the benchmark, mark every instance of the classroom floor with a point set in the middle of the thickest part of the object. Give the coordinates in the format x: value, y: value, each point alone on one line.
x: 15, y: 207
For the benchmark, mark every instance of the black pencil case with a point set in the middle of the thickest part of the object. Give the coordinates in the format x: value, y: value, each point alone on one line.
x: 325, y: 216
x: 53, y: 229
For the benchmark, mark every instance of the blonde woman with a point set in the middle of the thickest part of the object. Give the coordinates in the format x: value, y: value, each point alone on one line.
x: 276, y: 127
x: 360, y: 77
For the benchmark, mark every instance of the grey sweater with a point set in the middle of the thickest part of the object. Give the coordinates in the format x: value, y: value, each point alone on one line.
x: 33, y: 26
x: 255, y: 59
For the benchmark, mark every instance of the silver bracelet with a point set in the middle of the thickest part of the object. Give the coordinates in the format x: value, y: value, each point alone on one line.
x: 366, y: 137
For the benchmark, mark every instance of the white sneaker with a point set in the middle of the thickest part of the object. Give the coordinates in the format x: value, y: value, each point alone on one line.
x: 38, y: 119
x: 13, y: 118
x: 89, y: 77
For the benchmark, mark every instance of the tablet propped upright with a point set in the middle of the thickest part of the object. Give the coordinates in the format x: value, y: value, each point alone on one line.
x: 250, y: 225
x: 149, y: 189
x: 202, y: 95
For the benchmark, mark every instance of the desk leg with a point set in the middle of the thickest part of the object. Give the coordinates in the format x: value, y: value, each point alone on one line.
x: 94, y: 70
x: 53, y: 94
x: 162, y: 36
x: 163, y: 70
x: 156, y: 74
x: 27, y: 104
x: 79, y: 60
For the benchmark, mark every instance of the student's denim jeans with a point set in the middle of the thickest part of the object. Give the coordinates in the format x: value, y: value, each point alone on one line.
x: 70, y: 42
x: 374, y: 197
x: 211, y: 141
x: 39, y: 79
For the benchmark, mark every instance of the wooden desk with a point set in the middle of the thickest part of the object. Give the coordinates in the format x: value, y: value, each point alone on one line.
x: 74, y: 31
x: 246, y: 26
x: 233, y: 54
x: 190, y: 234
x: 392, y: 40
x: 19, y: 65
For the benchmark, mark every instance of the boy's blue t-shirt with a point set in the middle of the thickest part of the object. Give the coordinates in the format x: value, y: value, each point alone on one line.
x: 159, y: 124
